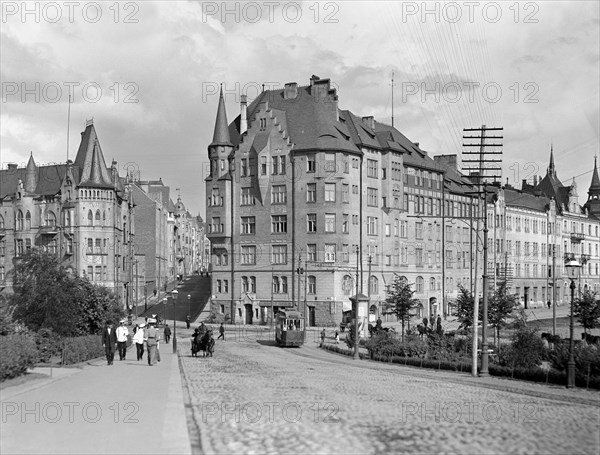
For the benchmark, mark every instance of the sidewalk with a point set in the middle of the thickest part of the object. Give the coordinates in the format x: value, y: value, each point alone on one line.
x: 128, y: 407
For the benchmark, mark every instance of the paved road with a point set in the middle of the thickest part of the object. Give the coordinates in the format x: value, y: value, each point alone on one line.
x: 254, y: 397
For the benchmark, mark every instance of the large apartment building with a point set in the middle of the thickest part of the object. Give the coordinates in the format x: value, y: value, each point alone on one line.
x: 304, y: 197
x: 79, y: 210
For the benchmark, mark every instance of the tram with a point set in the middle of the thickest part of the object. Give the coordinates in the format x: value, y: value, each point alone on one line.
x: 289, y: 329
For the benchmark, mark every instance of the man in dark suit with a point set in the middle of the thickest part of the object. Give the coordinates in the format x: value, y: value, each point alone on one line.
x: 109, y: 341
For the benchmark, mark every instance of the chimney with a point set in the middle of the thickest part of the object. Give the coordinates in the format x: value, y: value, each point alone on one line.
x: 12, y: 166
x: 320, y: 89
x: 243, y: 114
x: 291, y: 91
x: 313, y: 78
x: 535, y: 180
x: 524, y: 184
x: 416, y: 144
x: 369, y: 121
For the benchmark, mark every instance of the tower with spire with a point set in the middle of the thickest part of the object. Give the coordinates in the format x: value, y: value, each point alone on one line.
x: 593, y: 202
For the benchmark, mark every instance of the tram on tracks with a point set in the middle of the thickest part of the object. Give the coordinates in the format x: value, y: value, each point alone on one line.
x: 289, y: 329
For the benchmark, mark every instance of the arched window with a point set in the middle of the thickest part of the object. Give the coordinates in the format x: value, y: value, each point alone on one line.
x: 19, y: 221
x: 28, y: 220
x: 419, y: 284
x: 50, y: 219
x: 90, y: 218
x: 104, y: 216
x: 1, y: 222
x: 347, y: 285
x: 373, y: 285
x: 432, y: 284
x: 98, y: 217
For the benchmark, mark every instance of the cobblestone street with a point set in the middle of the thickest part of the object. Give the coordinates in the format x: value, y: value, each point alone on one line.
x: 254, y: 397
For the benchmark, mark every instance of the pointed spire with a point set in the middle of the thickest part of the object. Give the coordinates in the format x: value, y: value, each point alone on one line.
x: 551, y: 168
x: 221, y: 134
x: 31, y: 180
x: 595, y: 186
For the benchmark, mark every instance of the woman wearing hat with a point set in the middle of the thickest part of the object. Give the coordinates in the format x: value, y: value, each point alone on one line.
x: 138, y: 339
x: 151, y: 336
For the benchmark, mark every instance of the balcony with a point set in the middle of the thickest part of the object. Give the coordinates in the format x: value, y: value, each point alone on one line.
x: 48, y: 230
x: 577, y: 237
x: 581, y: 258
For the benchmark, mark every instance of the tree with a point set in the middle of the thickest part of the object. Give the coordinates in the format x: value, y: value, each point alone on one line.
x: 587, y: 311
x: 502, y: 305
x: 400, y: 297
x: 47, y: 296
x: 465, y: 304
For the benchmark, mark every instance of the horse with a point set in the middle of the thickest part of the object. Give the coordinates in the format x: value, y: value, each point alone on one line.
x: 204, y: 343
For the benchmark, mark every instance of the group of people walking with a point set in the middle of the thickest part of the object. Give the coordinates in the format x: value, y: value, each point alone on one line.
x: 144, y: 334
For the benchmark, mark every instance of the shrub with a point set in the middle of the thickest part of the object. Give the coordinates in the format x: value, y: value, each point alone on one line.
x: 526, y: 349
x: 80, y: 349
x: 388, y: 344
x: 49, y: 344
x: 17, y: 353
x: 586, y: 357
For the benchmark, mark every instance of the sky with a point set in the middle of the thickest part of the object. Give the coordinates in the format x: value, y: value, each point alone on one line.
x: 148, y: 74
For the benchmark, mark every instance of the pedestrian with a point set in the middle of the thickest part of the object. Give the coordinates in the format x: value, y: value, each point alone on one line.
x: 201, y: 329
x: 155, y: 292
x: 221, y: 332
x: 439, y: 324
x: 337, y: 337
x: 138, y: 339
x: 425, y: 322
x: 109, y: 340
x: 549, y: 304
x: 151, y: 336
x: 122, y: 333
x: 187, y: 321
x: 167, y: 333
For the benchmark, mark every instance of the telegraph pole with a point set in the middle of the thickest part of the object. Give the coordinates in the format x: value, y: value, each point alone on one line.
x: 486, y: 168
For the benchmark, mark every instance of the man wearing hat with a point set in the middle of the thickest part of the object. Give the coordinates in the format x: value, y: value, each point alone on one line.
x: 151, y: 336
x: 109, y: 339
x: 138, y: 339
x: 122, y: 333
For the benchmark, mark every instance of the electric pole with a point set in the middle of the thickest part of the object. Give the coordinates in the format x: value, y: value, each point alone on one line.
x: 485, y: 169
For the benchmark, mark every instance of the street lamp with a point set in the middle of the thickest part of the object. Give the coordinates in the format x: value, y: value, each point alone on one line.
x: 174, y: 295
x: 189, y: 305
x: 573, y: 267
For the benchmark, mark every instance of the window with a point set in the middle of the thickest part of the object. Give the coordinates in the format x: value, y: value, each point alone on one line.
x: 418, y: 230
x: 90, y: 273
x: 354, y: 189
x: 345, y: 223
x: 311, y: 252
x: 330, y: 192
x: 419, y: 255
x: 396, y: 171
x: 216, y: 225
x: 373, y: 285
x: 90, y: 218
x: 346, y: 253
x: 330, y: 222
x: 248, y: 254
x: 372, y: 197
x: 263, y: 165
x: 312, y: 285
x: 372, y: 168
x: 347, y: 285
x: 311, y: 164
x: 388, y: 230
x: 2, y: 275
x: 330, y: 252
x: 311, y: 222
x: 279, y: 224
x: 284, y: 285
x: 90, y: 246
x: 330, y: 162
x: 244, y: 169
x: 278, y: 165
x: 20, y: 224
x: 50, y: 219
x: 279, y: 254
x: 1, y: 222
x: 345, y: 192
x: 419, y: 284
x: 371, y: 225
x: 2, y: 250
x: 19, y: 247
x: 28, y: 220
x: 432, y: 284
x: 276, y: 285
x: 403, y: 228
x: 248, y: 225
x: 98, y: 245
x: 263, y: 124
x: 311, y: 192
x: 253, y: 284
x: 247, y: 198
x: 245, y: 286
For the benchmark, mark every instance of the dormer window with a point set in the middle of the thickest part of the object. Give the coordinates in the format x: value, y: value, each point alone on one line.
x: 263, y: 124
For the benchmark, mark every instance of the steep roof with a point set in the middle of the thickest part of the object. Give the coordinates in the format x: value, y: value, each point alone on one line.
x: 90, y: 161
x: 221, y: 133
x: 595, y: 185
x: 49, y: 179
x: 515, y: 198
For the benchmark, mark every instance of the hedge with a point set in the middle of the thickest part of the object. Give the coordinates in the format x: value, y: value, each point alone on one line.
x: 17, y: 353
x: 537, y: 374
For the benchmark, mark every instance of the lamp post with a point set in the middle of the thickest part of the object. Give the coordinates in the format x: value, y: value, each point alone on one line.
x: 174, y: 295
x: 573, y: 273
x: 189, y: 305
